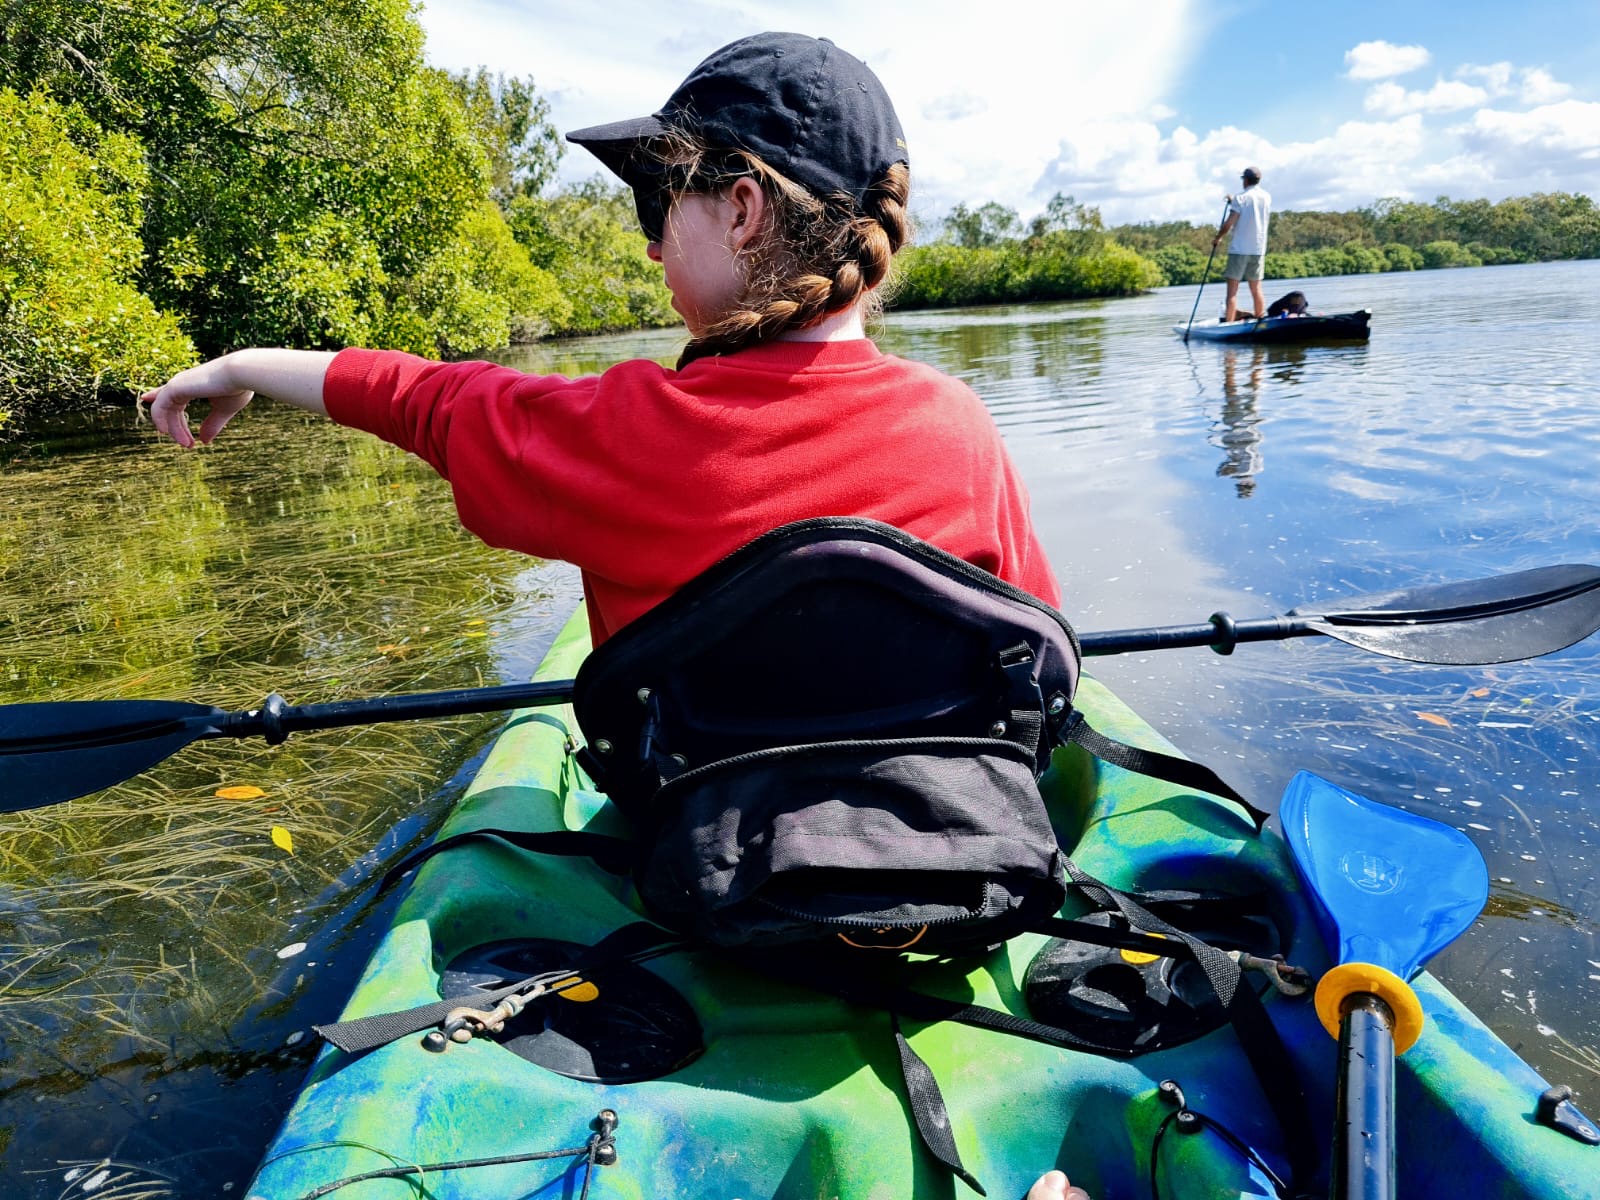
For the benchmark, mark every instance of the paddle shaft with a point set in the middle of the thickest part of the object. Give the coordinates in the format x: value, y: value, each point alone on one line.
x: 1222, y: 633
x: 1205, y: 278
x: 275, y: 720
x: 1363, y: 1152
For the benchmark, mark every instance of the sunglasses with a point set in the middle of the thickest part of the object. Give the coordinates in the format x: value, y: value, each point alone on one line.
x: 651, y: 204
x: 653, y: 194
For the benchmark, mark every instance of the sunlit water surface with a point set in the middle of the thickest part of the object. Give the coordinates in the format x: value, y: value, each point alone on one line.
x: 148, y: 1017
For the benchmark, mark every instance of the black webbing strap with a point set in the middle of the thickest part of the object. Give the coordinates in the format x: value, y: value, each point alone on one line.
x: 1257, y: 1036
x: 928, y: 1110
x: 630, y: 942
x: 1264, y: 1049
x: 1184, y: 772
x: 612, y: 854
x: 1025, y: 722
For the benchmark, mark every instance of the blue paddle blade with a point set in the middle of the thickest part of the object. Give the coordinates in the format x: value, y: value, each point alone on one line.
x: 1391, y: 888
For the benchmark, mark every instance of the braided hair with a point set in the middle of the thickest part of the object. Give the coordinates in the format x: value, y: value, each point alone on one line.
x: 815, y: 256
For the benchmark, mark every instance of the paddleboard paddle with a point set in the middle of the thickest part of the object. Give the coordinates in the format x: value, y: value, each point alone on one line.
x: 1390, y: 890
x: 1205, y: 277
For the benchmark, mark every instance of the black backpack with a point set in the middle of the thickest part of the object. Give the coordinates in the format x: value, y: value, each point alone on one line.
x: 833, y: 736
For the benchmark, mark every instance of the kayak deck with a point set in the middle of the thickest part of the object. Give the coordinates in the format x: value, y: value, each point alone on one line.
x: 798, y: 1094
x: 1311, y: 327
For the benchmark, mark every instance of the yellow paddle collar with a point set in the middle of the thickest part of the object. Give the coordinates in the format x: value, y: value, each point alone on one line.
x: 1349, y: 979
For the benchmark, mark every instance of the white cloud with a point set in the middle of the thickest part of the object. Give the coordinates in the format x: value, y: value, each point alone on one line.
x: 1135, y: 173
x: 1061, y: 95
x: 1495, y: 77
x: 954, y: 106
x: 984, y: 96
x: 1380, y: 60
x: 1561, y: 136
x: 1539, y: 87
x: 1447, y: 95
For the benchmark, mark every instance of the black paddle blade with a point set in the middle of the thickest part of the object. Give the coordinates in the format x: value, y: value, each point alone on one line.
x: 1504, y: 618
x: 50, y: 753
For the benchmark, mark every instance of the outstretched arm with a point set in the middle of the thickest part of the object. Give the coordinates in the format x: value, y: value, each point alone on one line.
x: 229, y: 382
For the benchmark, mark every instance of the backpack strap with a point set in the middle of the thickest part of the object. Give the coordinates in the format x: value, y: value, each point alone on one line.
x: 1257, y: 1036
x: 1075, y: 730
x: 928, y: 1110
x: 1269, y: 1059
x: 631, y: 943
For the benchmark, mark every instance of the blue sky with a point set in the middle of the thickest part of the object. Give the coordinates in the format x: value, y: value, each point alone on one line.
x: 1147, y: 110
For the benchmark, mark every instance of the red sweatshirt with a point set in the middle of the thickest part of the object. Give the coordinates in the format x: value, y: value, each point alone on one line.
x: 643, y: 477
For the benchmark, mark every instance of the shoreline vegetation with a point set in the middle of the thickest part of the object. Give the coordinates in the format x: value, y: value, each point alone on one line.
x: 180, y: 180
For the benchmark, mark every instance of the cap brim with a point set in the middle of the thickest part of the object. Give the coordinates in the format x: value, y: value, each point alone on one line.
x: 617, y: 145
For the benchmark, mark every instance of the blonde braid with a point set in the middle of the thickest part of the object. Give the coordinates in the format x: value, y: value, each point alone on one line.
x: 815, y: 257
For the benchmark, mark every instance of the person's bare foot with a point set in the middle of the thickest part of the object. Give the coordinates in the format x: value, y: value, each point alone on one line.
x: 1054, y: 1185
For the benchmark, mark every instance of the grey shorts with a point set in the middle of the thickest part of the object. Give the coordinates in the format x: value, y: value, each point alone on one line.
x: 1243, y: 266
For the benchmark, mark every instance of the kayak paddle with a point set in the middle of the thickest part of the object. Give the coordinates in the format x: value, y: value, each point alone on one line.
x: 1390, y: 891
x: 55, y: 751
x: 1204, y: 278
x: 1503, y: 618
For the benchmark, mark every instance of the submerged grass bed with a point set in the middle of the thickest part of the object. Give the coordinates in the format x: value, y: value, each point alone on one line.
x: 140, y: 926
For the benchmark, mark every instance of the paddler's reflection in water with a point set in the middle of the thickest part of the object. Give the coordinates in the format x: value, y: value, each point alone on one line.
x: 1239, y: 435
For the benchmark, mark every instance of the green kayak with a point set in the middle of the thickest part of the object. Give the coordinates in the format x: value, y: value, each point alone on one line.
x: 688, y: 1075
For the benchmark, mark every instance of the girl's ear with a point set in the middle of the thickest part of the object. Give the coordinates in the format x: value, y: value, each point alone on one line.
x: 749, y: 208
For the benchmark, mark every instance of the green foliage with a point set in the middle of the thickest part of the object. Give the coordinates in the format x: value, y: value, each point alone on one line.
x: 587, y: 238
x: 980, y: 228
x: 1048, y: 268
x: 513, y: 127
x: 1329, y: 260
x: 1293, y: 231
x: 72, y: 325
x: 1401, y: 257
x: 1179, y: 263
x: 1392, y: 235
x: 1445, y: 253
x: 303, y: 180
x: 478, y: 291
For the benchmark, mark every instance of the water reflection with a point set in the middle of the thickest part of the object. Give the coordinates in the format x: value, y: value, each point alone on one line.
x: 139, y: 984
x: 1238, y: 431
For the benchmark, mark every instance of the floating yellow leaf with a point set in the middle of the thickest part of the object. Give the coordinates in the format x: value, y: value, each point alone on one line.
x: 477, y: 621
x: 475, y: 633
x: 1478, y: 693
x: 282, y: 840
x: 243, y: 791
x: 1433, y: 719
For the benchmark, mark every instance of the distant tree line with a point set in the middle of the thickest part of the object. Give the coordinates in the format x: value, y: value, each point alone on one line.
x: 989, y: 255
x: 182, y: 177
x: 1391, y: 235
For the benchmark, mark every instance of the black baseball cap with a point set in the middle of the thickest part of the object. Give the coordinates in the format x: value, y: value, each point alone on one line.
x: 1250, y: 175
x: 805, y: 107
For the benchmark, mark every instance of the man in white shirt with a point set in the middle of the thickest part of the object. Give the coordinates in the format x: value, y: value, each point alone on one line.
x: 1247, y: 219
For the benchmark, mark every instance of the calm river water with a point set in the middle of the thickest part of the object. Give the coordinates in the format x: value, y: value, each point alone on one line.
x: 155, y: 995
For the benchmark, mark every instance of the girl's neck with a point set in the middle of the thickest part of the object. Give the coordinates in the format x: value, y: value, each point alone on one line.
x: 843, y: 326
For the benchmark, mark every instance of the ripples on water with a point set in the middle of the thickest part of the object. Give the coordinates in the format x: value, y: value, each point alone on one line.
x: 1168, y: 481
x: 1171, y: 480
